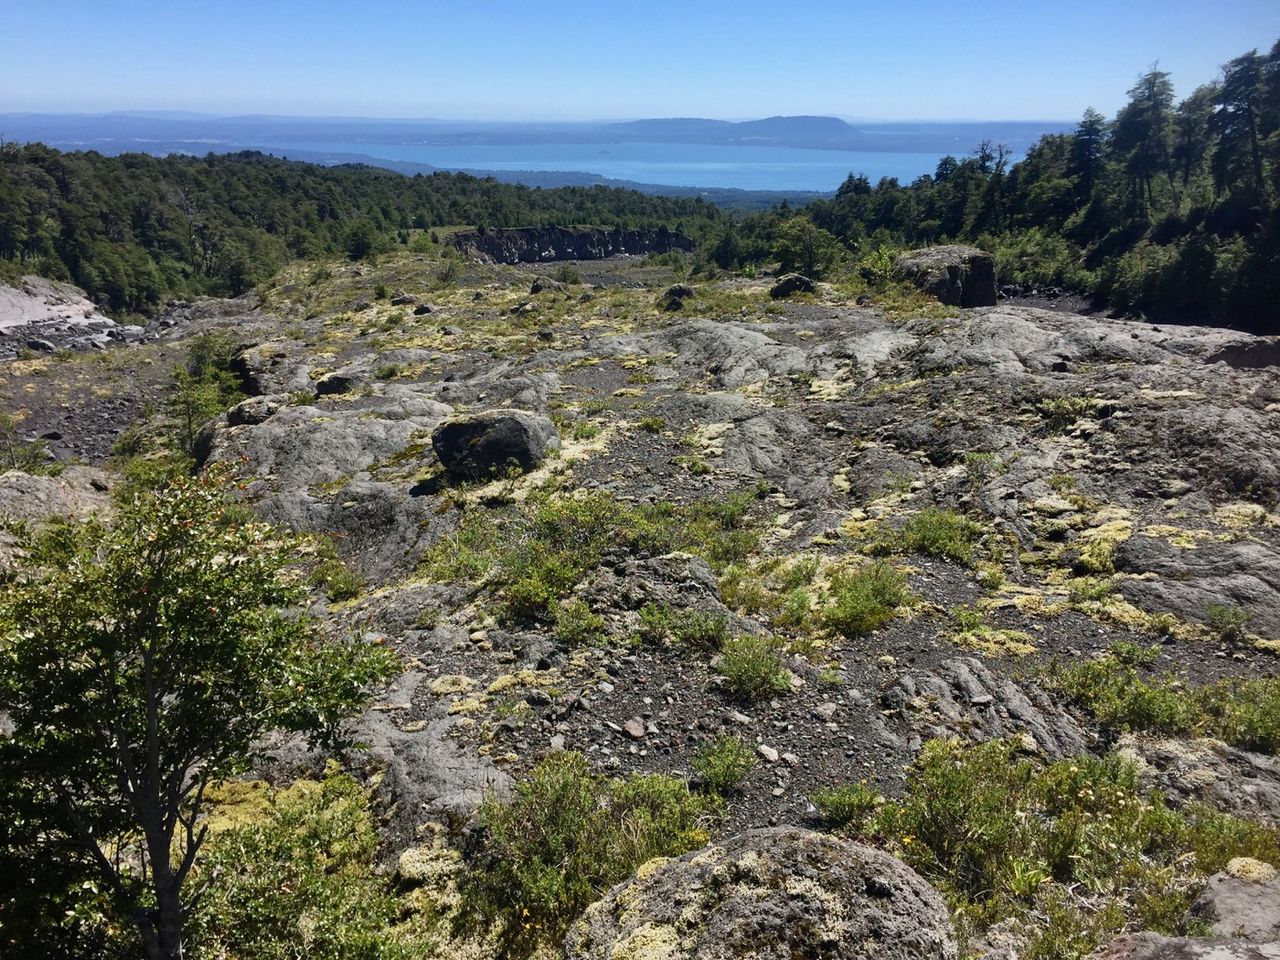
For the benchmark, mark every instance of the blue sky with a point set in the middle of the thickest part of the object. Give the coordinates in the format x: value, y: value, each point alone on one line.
x: 553, y: 60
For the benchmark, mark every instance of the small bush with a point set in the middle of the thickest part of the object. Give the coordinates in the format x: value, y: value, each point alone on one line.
x: 564, y: 838
x: 568, y: 273
x: 652, y: 424
x: 1067, y: 853
x: 1244, y: 713
x: 1061, y: 413
x: 849, y: 806
x: 577, y: 625
x: 536, y: 557
x: 338, y: 581
x: 752, y: 669
x: 1228, y: 622
x: 387, y: 371
x: 301, y: 873
x: 864, y: 600
x: 692, y: 628
x: 941, y: 533
x: 724, y: 763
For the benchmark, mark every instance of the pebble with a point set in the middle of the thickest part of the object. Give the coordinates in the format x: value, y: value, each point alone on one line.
x: 825, y: 711
x: 634, y: 728
x: 767, y: 752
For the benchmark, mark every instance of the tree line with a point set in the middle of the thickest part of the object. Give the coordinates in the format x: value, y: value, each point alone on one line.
x: 133, y: 230
x: 1167, y: 210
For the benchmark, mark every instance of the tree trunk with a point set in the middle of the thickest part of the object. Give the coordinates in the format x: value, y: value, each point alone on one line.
x: 169, y: 923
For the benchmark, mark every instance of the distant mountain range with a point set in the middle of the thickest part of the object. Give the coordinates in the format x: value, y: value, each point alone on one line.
x: 116, y: 132
x: 335, y: 140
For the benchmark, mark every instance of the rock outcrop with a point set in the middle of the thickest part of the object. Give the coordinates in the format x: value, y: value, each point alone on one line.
x: 769, y: 895
x: 544, y: 244
x: 958, y: 276
x: 481, y: 445
x: 789, y: 284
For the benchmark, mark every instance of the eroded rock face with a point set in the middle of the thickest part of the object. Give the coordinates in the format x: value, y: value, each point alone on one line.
x: 542, y: 244
x: 1243, y: 901
x: 479, y: 445
x: 769, y: 895
x: 958, y: 276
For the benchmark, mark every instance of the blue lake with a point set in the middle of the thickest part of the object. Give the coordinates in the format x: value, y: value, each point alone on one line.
x: 681, y: 165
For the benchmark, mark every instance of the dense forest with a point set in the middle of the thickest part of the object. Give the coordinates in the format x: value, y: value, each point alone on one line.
x: 1167, y: 210
x: 134, y: 229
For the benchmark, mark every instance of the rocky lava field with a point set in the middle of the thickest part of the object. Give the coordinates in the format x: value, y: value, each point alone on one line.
x: 1045, y: 486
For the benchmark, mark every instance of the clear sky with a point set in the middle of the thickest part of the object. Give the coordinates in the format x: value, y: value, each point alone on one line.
x: 554, y: 60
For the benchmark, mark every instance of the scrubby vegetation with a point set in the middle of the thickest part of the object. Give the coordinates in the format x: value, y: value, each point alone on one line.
x: 1112, y: 688
x: 565, y: 837
x: 864, y: 599
x: 724, y: 762
x: 1063, y: 855
x: 536, y: 556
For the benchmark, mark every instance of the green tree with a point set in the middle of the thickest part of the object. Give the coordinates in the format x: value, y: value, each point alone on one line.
x: 142, y: 660
x: 805, y: 248
x: 1088, y: 150
x: 1235, y: 122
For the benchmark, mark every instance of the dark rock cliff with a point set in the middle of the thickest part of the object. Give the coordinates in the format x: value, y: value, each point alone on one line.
x: 542, y: 244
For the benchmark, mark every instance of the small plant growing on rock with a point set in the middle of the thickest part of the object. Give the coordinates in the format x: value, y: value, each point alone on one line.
x: 724, y: 763
x: 752, y: 669
x: 338, y: 581
x: 652, y: 424
x: 865, y: 599
x: 566, y: 836
x: 1228, y: 622
x: 577, y: 625
x: 848, y: 807
x: 1061, y: 413
x: 941, y: 533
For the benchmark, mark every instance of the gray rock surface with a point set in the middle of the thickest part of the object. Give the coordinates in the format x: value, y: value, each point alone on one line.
x: 958, y: 276
x: 1153, y: 946
x: 1243, y: 901
x: 769, y: 895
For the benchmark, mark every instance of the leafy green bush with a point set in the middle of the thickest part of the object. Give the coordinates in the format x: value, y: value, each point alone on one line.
x: 724, y: 762
x: 941, y: 533
x: 338, y: 581
x: 302, y: 880
x: 565, y: 837
x: 577, y: 625
x: 752, y: 668
x: 688, y: 627
x: 1244, y: 713
x: 567, y: 273
x: 1228, y: 622
x: 1061, y: 413
x: 1067, y: 853
x: 849, y: 806
x: 865, y: 599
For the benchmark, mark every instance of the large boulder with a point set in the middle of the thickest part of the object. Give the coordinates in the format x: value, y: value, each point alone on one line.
x: 479, y: 445
x: 769, y: 895
x: 1242, y: 901
x: 958, y: 276
x: 790, y: 283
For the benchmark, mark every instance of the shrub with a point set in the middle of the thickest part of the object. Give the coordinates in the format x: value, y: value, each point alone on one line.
x: 652, y: 424
x: 565, y: 837
x: 692, y: 628
x: 724, y: 763
x: 941, y: 533
x: 301, y: 875
x: 567, y: 273
x: 338, y: 581
x: 387, y: 371
x: 849, y: 806
x: 1244, y: 713
x: 752, y: 668
x: 865, y: 599
x: 536, y: 557
x: 1228, y: 622
x: 1067, y: 853
x: 577, y: 625
x: 1061, y: 413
